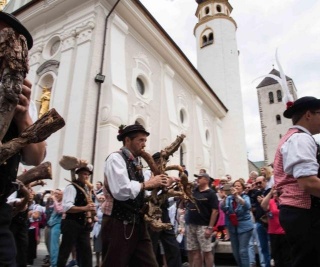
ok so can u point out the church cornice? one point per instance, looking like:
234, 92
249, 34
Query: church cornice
209, 18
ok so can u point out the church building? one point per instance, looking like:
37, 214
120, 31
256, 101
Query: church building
104, 63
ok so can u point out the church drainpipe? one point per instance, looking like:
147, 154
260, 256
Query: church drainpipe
100, 83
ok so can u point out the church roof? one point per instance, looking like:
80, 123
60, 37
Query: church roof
269, 81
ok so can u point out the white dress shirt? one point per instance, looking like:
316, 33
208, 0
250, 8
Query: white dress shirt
299, 154
121, 187
69, 196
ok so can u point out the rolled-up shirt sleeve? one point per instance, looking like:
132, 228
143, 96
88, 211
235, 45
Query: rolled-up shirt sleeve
69, 196
299, 155
120, 186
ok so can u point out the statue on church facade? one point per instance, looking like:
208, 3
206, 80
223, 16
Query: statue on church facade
44, 101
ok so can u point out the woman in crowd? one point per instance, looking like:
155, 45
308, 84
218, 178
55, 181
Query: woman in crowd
238, 221
55, 225
97, 242
279, 245
266, 171
47, 229
221, 223
36, 216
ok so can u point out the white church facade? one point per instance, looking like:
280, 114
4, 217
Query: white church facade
109, 63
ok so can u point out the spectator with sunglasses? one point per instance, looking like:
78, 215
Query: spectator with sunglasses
251, 191
263, 190
200, 222
237, 207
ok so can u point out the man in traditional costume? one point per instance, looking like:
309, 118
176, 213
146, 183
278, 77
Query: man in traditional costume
76, 228
297, 180
125, 239
32, 154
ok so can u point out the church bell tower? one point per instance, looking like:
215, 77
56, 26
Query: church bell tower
218, 63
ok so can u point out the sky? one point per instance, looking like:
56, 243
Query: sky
291, 26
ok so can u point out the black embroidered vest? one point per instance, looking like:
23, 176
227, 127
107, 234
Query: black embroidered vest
79, 201
129, 210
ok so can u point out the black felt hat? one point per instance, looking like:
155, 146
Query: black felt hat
303, 103
125, 130
156, 155
14, 23
88, 168
203, 175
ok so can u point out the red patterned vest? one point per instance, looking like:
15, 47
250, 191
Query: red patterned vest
291, 193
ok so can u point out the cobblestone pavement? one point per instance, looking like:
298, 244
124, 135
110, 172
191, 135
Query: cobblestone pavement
42, 252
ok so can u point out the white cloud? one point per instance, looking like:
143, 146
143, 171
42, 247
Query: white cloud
292, 26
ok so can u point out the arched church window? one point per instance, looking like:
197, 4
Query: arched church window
182, 116
140, 86
204, 41
207, 135
219, 8
54, 48
210, 39
207, 10
271, 99
278, 119
279, 95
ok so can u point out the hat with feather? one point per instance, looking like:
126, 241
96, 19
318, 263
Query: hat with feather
126, 130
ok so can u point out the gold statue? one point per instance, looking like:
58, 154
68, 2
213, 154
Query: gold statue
3, 4
44, 100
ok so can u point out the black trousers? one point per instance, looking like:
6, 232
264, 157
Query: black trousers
302, 227
32, 246
126, 245
20, 233
7, 244
74, 234
280, 250
169, 242
170, 245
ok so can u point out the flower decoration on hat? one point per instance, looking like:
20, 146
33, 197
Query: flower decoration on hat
289, 104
